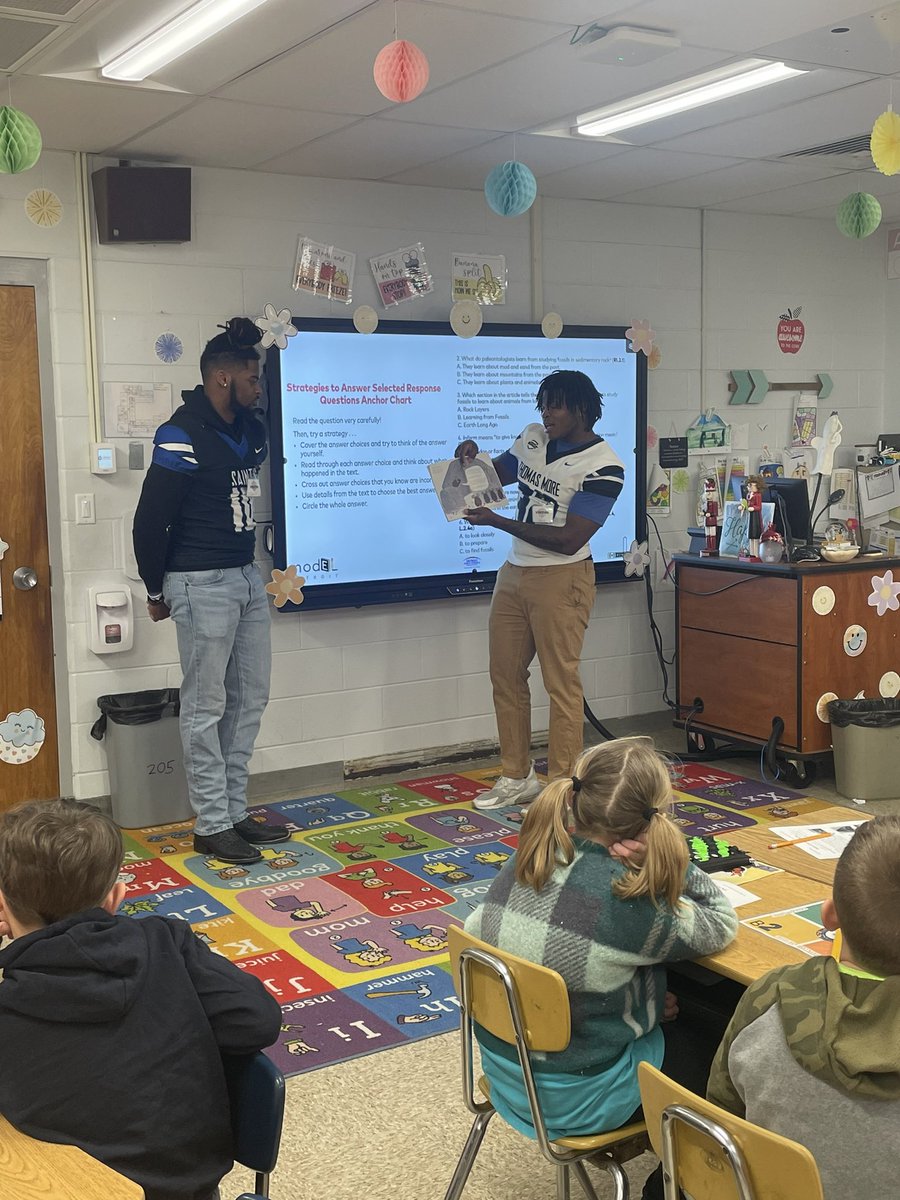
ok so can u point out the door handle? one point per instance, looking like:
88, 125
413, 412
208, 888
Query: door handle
25, 578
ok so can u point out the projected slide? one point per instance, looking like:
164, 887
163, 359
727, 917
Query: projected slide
363, 416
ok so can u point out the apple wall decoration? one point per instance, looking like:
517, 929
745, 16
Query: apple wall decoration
790, 332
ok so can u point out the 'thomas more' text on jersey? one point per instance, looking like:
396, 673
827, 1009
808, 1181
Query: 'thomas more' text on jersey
556, 478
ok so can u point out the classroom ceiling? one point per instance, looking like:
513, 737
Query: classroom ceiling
289, 89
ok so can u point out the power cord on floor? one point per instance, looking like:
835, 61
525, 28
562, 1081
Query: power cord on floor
728, 749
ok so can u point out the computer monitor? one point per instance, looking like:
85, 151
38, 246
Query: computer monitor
792, 517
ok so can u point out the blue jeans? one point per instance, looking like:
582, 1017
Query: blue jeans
222, 620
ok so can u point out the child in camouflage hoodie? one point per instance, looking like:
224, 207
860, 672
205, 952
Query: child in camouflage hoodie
813, 1049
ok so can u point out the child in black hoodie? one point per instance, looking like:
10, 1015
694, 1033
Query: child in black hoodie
112, 1029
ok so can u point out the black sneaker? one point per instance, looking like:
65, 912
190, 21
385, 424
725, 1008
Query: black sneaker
228, 846
261, 835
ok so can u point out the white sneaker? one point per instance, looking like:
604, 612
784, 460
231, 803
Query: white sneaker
508, 791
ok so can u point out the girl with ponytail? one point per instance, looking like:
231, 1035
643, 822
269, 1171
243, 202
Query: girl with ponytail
616, 792
601, 890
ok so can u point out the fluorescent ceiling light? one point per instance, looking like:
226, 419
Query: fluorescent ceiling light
689, 93
176, 37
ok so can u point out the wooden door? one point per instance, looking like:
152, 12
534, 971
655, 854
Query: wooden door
29, 753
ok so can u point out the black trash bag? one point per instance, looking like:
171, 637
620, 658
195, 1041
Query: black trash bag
868, 714
136, 708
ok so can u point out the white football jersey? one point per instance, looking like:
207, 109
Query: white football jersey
549, 478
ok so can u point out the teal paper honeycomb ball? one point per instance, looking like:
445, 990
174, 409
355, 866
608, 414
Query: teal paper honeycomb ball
858, 215
510, 189
20, 141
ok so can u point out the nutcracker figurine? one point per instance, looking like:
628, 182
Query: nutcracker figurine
711, 515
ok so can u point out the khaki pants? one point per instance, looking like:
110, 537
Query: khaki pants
543, 610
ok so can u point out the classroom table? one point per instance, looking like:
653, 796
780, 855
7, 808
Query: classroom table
795, 859
752, 953
34, 1170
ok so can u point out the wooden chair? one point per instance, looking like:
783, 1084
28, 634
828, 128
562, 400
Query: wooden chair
713, 1155
526, 1006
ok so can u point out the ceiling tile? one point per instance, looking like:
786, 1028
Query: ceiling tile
840, 114
250, 41
781, 99
373, 149
628, 172
566, 12
43, 8
267, 33
869, 46
334, 72
91, 116
18, 38
218, 132
823, 193
546, 84
739, 27
715, 187
109, 27
542, 154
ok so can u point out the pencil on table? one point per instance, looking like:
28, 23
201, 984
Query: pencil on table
810, 837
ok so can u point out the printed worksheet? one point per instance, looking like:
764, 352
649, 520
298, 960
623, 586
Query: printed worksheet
827, 847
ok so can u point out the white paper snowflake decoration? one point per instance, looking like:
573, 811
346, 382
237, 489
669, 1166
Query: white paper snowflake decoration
637, 559
276, 327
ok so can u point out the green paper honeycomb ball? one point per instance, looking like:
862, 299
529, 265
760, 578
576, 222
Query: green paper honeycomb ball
20, 141
858, 215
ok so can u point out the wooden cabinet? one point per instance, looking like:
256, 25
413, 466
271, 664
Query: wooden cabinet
759, 641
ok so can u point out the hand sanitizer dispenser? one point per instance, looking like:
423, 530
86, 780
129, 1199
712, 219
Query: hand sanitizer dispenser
110, 619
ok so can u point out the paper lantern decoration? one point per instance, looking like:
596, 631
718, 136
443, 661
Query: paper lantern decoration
20, 141
885, 143
858, 215
401, 71
510, 189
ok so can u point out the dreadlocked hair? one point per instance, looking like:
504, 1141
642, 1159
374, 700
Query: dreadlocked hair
572, 390
234, 348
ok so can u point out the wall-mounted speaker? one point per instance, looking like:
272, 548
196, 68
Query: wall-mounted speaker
142, 204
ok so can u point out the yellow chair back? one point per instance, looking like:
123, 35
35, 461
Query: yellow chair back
777, 1168
543, 998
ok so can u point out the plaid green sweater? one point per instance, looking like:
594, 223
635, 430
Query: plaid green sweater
608, 950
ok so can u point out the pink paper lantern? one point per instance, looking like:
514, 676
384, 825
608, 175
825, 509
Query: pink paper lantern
401, 71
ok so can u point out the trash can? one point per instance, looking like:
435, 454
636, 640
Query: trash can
865, 735
143, 748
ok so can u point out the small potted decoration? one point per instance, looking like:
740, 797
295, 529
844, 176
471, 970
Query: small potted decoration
771, 545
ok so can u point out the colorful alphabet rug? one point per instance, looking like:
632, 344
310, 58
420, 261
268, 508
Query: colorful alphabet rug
346, 924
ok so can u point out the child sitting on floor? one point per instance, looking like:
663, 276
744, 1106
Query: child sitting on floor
112, 1028
606, 906
813, 1049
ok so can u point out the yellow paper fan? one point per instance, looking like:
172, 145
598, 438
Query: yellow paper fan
886, 143
43, 207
